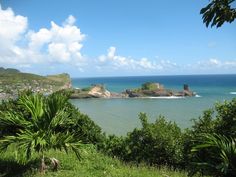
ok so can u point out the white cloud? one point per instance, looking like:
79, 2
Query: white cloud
12, 27
116, 61
59, 52
70, 20
214, 62
63, 43
212, 66
37, 40
59, 46
20, 45
111, 53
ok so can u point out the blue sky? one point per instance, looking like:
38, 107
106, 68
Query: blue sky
113, 38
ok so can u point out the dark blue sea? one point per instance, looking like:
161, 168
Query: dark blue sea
119, 116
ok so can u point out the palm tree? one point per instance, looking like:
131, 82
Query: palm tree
220, 155
41, 126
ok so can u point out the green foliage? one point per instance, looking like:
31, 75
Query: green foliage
226, 118
35, 123
149, 86
220, 122
158, 143
217, 12
221, 156
44, 127
79, 124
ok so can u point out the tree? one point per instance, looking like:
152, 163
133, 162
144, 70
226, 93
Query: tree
43, 125
217, 12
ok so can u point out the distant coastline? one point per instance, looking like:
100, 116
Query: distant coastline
12, 81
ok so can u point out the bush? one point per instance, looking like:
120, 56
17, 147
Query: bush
220, 122
158, 143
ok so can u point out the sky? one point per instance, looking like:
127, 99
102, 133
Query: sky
89, 38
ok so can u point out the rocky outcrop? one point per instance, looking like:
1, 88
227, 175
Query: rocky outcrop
147, 90
157, 90
95, 91
99, 91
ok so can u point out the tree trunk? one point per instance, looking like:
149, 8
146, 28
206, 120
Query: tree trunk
43, 166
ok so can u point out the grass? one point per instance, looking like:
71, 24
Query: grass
92, 164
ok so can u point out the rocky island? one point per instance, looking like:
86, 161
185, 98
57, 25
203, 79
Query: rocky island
149, 89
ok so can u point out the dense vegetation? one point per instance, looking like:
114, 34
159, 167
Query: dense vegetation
208, 148
35, 127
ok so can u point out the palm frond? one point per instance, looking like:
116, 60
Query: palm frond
33, 103
46, 126
221, 152
10, 119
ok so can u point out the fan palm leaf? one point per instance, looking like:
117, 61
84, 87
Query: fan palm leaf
44, 127
221, 152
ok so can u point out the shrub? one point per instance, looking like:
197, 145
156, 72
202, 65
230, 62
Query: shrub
158, 143
220, 122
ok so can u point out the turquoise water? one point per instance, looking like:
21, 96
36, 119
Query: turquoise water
121, 115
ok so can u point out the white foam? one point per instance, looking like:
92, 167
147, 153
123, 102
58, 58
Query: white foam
232, 93
164, 97
198, 96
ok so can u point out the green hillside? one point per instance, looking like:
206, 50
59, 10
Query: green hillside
12, 81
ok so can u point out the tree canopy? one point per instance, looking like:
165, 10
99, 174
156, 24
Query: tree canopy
217, 12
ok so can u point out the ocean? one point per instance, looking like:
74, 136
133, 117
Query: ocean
119, 116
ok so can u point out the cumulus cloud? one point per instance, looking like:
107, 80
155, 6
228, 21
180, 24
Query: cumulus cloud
63, 43
60, 45
22, 46
113, 60
12, 27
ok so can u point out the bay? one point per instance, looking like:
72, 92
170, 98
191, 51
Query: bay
118, 116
